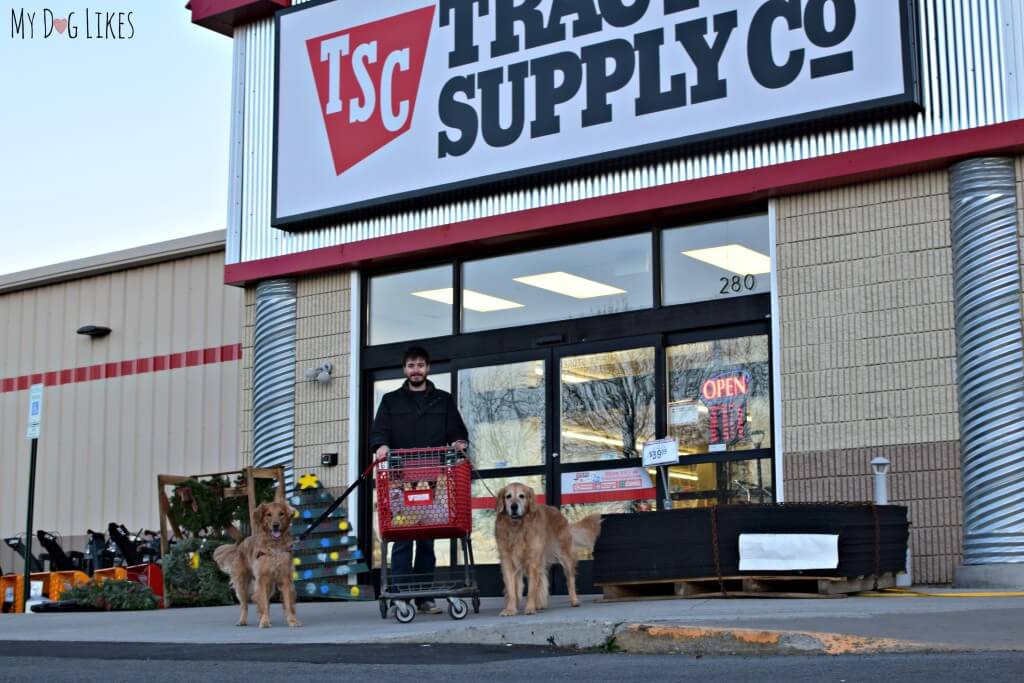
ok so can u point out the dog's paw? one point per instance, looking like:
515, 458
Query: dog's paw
294, 623
507, 613
242, 623
530, 610
264, 623
574, 603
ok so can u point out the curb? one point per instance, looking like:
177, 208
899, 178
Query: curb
689, 640
652, 638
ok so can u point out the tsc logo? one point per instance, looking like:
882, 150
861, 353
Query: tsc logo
367, 78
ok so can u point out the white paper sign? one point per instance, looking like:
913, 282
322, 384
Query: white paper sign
781, 552
661, 452
35, 410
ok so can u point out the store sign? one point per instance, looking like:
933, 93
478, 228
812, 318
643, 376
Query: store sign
605, 481
725, 395
661, 452
380, 101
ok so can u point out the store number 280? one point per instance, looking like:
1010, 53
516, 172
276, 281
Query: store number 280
737, 283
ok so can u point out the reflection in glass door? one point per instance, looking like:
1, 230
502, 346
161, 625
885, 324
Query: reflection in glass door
719, 403
606, 413
504, 407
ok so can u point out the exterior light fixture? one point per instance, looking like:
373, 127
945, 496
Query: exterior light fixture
321, 374
93, 331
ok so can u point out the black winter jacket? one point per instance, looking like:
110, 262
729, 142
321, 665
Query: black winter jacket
401, 423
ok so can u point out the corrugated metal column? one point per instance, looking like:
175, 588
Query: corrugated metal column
990, 364
273, 384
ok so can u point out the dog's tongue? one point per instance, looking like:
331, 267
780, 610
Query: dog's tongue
275, 534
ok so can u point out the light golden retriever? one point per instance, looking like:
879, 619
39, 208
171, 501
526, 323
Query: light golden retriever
532, 537
262, 564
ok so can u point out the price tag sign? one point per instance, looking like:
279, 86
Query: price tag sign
35, 410
661, 452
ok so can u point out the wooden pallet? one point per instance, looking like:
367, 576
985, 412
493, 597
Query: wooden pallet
793, 586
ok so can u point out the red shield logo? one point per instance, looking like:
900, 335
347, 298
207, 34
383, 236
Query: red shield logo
367, 78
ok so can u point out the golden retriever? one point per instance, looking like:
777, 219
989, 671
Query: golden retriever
262, 564
532, 537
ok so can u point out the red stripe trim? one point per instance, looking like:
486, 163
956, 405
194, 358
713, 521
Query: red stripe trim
581, 498
138, 366
901, 158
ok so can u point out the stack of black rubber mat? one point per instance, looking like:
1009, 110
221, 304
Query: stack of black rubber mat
680, 544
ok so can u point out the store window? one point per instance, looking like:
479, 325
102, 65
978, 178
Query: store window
718, 260
718, 395
607, 404
594, 278
416, 304
710, 483
503, 407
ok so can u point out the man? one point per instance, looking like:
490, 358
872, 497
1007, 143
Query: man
417, 415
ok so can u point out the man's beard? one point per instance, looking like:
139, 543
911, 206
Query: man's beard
417, 380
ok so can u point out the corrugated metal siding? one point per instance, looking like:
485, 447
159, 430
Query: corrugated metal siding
962, 70
103, 442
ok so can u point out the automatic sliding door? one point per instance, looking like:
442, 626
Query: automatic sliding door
606, 413
504, 406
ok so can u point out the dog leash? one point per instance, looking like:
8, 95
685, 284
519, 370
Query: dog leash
340, 499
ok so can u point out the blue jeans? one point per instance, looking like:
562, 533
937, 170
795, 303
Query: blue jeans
402, 563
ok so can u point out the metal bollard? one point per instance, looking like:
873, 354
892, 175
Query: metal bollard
880, 468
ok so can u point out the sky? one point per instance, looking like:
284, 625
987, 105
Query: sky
109, 143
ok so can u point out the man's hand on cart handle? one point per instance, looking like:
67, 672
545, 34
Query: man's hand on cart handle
382, 452
460, 445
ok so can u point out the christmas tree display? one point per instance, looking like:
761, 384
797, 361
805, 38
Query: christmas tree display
327, 562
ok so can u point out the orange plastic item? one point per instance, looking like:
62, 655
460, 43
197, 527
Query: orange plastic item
115, 573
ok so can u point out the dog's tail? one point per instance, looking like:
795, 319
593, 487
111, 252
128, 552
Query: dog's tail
585, 532
224, 556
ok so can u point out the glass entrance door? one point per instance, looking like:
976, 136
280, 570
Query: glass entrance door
571, 422
607, 401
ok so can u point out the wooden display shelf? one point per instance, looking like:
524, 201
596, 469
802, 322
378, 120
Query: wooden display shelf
247, 489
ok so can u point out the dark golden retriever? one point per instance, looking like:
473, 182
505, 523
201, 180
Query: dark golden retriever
262, 564
532, 537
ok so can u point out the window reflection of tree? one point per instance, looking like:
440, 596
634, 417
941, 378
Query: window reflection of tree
503, 408
614, 400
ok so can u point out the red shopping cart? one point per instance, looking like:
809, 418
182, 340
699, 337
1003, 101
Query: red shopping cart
424, 494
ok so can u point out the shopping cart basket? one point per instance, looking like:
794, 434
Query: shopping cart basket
424, 494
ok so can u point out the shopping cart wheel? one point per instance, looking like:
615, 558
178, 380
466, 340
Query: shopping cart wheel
383, 608
405, 612
476, 604
457, 608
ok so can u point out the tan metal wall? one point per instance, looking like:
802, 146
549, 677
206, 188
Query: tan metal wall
104, 441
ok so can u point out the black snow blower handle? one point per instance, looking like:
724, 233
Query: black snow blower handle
340, 499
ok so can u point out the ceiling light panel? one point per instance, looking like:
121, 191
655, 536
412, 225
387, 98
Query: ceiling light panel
474, 301
568, 284
734, 258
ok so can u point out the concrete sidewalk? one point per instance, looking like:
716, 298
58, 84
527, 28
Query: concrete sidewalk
710, 626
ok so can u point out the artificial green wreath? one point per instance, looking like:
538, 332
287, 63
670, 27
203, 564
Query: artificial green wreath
112, 594
200, 508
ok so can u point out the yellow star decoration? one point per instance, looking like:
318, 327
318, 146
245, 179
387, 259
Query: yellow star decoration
309, 481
